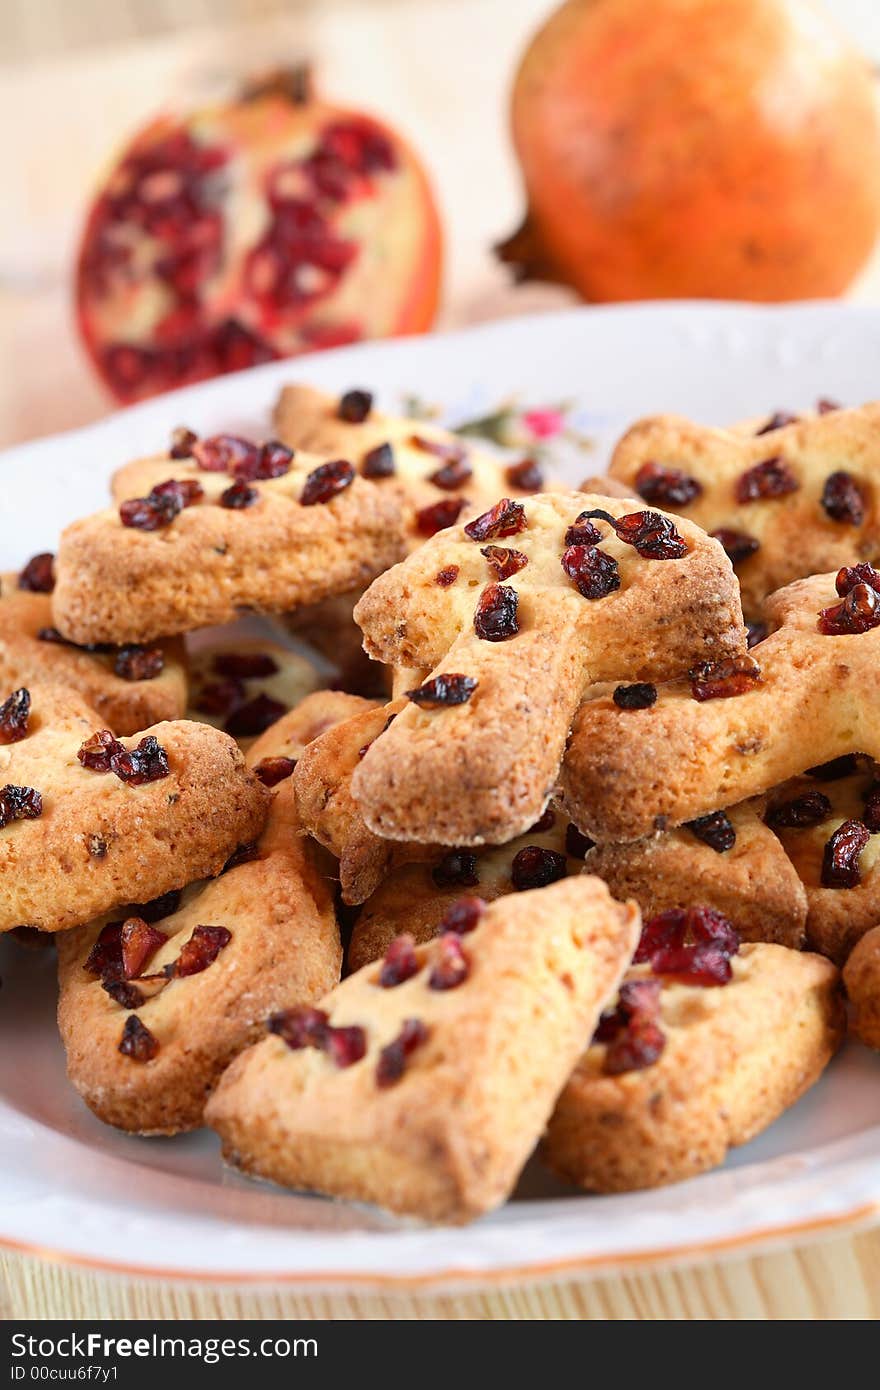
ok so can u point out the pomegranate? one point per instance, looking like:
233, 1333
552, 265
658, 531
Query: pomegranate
239, 233
695, 148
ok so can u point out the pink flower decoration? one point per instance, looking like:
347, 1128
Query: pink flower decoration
543, 423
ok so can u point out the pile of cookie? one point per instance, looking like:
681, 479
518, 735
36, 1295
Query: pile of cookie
570, 853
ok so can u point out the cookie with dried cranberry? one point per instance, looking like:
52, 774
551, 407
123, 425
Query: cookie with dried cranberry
89, 822
330, 629
791, 498
736, 728
861, 978
189, 545
545, 597
679, 1072
310, 719
422, 1083
244, 684
156, 1001
130, 686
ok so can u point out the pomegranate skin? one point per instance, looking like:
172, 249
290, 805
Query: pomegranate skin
695, 149
253, 230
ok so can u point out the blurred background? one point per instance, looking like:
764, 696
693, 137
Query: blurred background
77, 79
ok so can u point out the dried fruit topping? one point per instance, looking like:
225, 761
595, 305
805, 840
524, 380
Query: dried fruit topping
254, 718
446, 576
450, 688
652, 535
576, 843
859, 612
462, 917
721, 680
148, 762
755, 633
225, 453
639, 696
842, 499
871, 813
535, 867
137, 1041
832, 771
840, 858
238, 496
583, 532
182, 443
702, 931
496, 617
244, 854
126, 995
19, 803
271, 460
202, 949
504, 562
436, 518
355, 406
161, 505
105, 957
220, 697
326, 481
506, 518
300, 1027
393, 1057
378, 462
15, 713
459, 866
158, 908
135, 663
452, 475
51, 634
737, 545
666, 487
715, 830
772, 478
851, 575
346, 1045
138, 943
810, 808
777, 421
544, 823
399, 962
632, 1030
38, 576
528, 476
826, 406
271, 771
96, 752
451, 966
595, 573
245, 665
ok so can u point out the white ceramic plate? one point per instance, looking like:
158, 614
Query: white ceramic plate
72, 1188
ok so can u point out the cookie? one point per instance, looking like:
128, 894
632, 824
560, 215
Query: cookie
861, 978
131, 822
788, 502
422, 1084
728, 1060
277, 533
244, 684
144, 1047
516, 614
311, 719
803, 697
130, 687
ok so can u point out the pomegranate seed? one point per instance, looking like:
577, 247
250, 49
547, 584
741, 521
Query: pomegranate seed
858, 613
245, 665
850, 575
451, 966
651, 534
272, 460
528, 476
755, 633
506, 518
15, 713
139, 663
721, 680
436, 518
271, 771
666, 487
355, 406
447, 576
842, 499
595, 573
138, 942
544, 823
714, 830
778, 421
840, 859
772, 478
639, 696
399, 962
535, 867
459, 866
583, 532
202, 949
326, 481
393, 1057
378, 462
810, 808
447, 689
504, 562
738, 545
462, 917
576, 843
255, 717
19, 803
137, 1041
496, 617
224, 453
38, 576
182, 442
832, 771
238, 496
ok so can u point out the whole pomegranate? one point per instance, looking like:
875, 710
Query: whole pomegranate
706, 148
243, 232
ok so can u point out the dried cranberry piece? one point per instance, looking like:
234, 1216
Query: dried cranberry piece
448, 451
840, 859
810, 808
639, 696
871, 813
244, 854
826, 406
378, 462
399, 962
142, 515
158, 908
721, 680
704, 963
452, 475
137, 1042
832, 771
238, 496
850, 575
19, 803
271, 771
255, 717
245, 665
595, 573
842, 498
123, 993
576, 843
528, 476
96, 752
436, 518
633, 1033
777, 421
506, 518
496, 617
272, 460
38, 576
462, 917
220, 697
450, 688
583, 532
355, 406
737, 545
544, 823
326, 481
652, 535
148, 762
451, 966
182, 442
160, 507
535, 867
685, 928
15, 713
138, 943
666, 487
714, 830
346, 1045
105, 957
176, 493
459, 866
393, 1057
772, 478
300, 1027
202, 949
858, 613
755, 633
503, 561
447, 576
224, 453
139, 663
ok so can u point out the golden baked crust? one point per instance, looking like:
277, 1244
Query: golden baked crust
447, 1141
797, 536
101, 842
119, 584
736, 1057
482, 772
233, 686
284, 950
861, 978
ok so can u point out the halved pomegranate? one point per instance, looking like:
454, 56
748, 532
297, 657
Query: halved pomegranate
242, 232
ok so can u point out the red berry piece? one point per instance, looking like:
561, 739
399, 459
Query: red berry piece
722, 680
19, 803
503, 561
355, 406
255, 717
666, 487
737, 545
451, 966
851, 575
544, 823
496, 617
632, 1031
810, 808
38, 576
826, 406
535, 867
202, 949
379, 462
777, 421
139, 663
393, 1057
871, 813
462, 917
238, 496
182, 443
691, 943
300, 1027
506, 518
836, 768
220, 697
595, 573
137, 1042
271, 460
842, 499
703, 963
346, 1045
148, 762
450, 688
459, 866
15, 713
160, 507
449, 451
326, 482
245, 665
528, 476
452, 475
96, 752
157, 908
858, 613
447, 576
399, 962
105, 957
652, 535
840, 859
225, 453
576, 843
271, 771
714, 830
138, 943
772, 478
583, 532
642, 695
436, 518
126, 995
